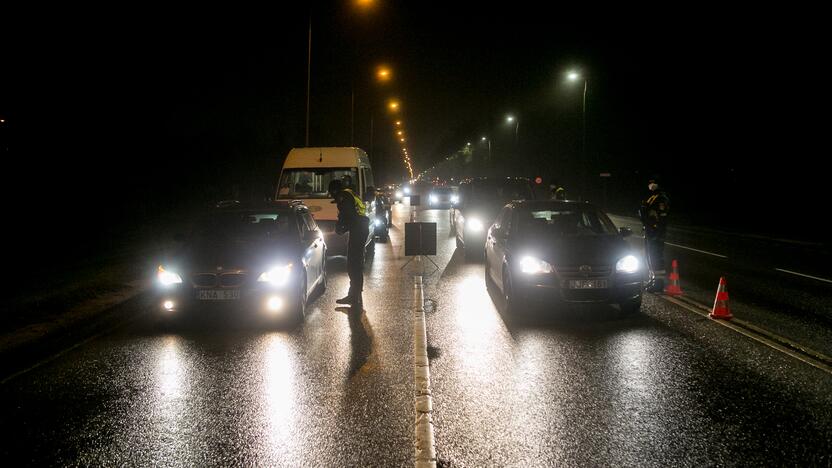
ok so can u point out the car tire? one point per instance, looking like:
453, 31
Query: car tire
489, 283
630, 307
515, 305
299, 312
323, 283
474, 255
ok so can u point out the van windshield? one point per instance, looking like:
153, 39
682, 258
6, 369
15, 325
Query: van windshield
312, 183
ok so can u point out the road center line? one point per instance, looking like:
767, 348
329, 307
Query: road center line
425, 445
697, 250
804, 275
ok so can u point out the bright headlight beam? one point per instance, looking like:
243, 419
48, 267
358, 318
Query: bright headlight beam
474, 224
534, 266
167, 278
628, 264
277, 276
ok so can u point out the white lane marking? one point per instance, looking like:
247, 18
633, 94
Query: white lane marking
819, 364
697, 250
804, 275
425, 445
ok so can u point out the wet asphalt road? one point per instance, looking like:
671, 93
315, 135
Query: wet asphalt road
665, 387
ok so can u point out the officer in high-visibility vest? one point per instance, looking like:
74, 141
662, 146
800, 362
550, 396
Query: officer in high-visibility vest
653, 213
352, 218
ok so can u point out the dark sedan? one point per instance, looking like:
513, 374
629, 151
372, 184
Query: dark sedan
263, 259
564, 252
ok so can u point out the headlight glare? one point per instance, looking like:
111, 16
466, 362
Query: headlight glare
167, 278
277, 276
628, 264
433, 198
474, 224
534, 266
454, 199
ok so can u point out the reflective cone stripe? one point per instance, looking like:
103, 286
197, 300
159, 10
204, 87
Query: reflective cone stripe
721, 310
673, 289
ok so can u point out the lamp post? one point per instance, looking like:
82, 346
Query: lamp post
486, 139
574, 76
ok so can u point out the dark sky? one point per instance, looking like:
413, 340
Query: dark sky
135, 112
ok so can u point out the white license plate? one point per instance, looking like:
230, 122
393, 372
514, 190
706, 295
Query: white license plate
218, 294
588, 284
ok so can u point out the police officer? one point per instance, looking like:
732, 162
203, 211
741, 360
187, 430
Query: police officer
557, 191
352, 218
653, 213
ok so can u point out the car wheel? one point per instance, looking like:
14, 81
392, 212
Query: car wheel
472, 254
515, 305
630, 307
300, 307
322, 284
488, 281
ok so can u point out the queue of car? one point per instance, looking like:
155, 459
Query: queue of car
267, 259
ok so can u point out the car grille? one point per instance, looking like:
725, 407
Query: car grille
205, 280
574, 272
230, 280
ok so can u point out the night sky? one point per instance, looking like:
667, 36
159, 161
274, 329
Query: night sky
120, 117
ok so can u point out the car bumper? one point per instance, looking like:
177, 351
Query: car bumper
257, 301
620, 290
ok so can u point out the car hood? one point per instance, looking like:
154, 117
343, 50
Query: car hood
576, 250
211, 255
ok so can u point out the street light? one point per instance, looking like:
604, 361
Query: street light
486, 139
574, 76
512, 119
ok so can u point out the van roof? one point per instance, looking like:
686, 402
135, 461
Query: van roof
329, 156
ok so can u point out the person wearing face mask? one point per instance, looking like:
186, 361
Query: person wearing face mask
653, 214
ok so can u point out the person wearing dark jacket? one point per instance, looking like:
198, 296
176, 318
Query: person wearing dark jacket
352, 219
653, 213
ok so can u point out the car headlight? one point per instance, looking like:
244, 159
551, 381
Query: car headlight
407, 190
167, 278
378, 222
454, 199
628, 264
433, 198
474, 224
277, 276
534, 266
398, 193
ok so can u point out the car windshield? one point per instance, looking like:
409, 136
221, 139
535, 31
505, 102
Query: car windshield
443, 190
243, 225
572, 221
312, 183
500, 190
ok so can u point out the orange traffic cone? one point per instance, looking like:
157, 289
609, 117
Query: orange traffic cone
673, 289
721, 310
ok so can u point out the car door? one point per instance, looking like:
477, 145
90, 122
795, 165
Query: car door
496, 243
313, 248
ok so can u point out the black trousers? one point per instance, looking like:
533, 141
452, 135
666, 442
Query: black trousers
655, 252
355, 256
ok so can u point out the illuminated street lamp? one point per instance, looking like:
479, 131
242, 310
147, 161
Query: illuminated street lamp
574, 77
512, 119
486, 139
393, 105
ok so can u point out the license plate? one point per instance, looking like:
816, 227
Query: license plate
588, 284
218, 294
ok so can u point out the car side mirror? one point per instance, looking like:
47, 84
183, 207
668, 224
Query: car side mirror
625, 232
